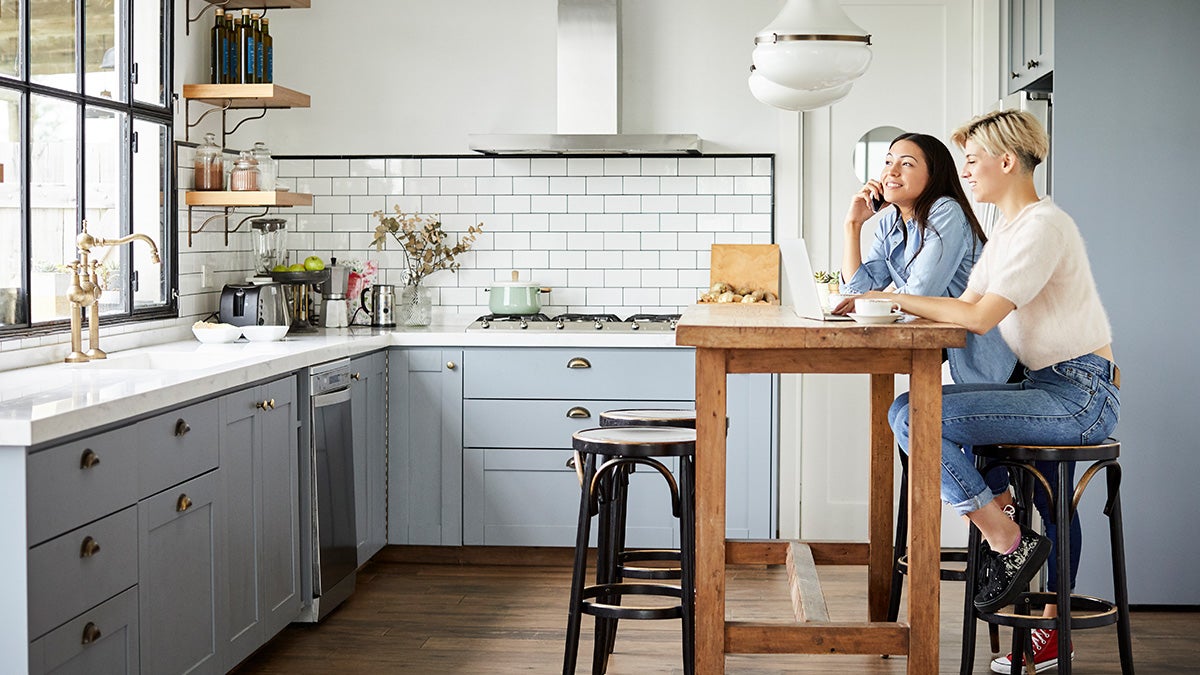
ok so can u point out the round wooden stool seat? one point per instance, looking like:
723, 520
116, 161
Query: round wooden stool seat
645, 441
649, 417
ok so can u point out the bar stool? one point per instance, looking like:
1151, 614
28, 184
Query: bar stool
606, 453
1074, 611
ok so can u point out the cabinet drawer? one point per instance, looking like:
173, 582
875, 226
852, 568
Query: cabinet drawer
103, 639
652, 374
77, 482
176, 446
532, 423
81, 568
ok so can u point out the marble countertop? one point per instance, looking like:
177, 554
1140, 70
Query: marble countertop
54, 401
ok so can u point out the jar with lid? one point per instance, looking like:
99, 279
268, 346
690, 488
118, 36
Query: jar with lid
244, 175
266, 166
209, 166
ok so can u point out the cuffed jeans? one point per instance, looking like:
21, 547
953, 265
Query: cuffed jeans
1072, 402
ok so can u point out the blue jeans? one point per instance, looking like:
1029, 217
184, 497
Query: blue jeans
1072, 402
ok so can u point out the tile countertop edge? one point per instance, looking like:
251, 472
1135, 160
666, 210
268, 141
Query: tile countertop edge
57, 401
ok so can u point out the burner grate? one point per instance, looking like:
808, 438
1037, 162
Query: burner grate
497, 318
594, 318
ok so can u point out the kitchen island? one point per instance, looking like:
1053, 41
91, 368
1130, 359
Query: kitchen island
772, 339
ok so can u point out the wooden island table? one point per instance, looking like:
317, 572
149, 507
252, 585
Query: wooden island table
773, 339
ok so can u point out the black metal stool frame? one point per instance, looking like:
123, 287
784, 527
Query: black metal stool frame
1100, 612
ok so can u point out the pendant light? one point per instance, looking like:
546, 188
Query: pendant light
808, 56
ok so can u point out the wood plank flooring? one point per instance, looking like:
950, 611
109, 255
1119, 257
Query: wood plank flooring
502, 618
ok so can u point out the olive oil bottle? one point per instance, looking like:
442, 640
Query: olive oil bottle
232, 51
259, 64
248, 48
218, 69
267, 54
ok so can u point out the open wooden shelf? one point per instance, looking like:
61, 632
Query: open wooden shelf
247, 198
246, 95
261, 4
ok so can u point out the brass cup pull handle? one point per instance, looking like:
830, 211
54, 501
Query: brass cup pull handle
181, 427
579, 362
268, 404
356, 376
88, 459
89, 548
91, 633
183, 503
450, 365
579, 413
576, 462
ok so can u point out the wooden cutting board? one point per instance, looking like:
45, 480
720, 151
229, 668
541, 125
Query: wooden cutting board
753, 265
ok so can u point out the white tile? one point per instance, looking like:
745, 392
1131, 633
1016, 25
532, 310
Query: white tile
622, 277
603, 222
532, 260
581, 278
657, 278
735, 237
696, 241
604, 185
640, 296
761, 238
660, 204
349, 186
641, 185
531, 185
476, 204
733, 166
551, 277
374, 166
677, 185
643, 260
569, 297
585, 241
497, 222
512, 166
568, 260
385, 186
422, 186
458, 296
622, 166
603, 259
408, 166
439, 166
604, 296
512, 241
752, 222
678, 259
458, 222
494, 186
331, 167
697, 204
548, 203
315, 186
714, 185
585, 166
639, 222
476, 167
330, 241
512, 204
331, 204
659, 241
360, 242
367, 204
622, 204
548, 241
355, 222
439, 204
294, 168
622, 241
678, 296
762, 166
458, 186
568, 222
585, 203
406, 203
660, 166
531, 222
700, 278
734, 203
314, 222
568, 185
752, 185
763, 203
714, 222
500, 260
697, 166
548, 166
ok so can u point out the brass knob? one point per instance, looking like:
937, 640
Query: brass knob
91, 633
89, 548
1014, 75
181, 427
271, 404
356, 376
261, 405
579, 362
183, 504
451, 365
89, 459
579, 413
1032, 64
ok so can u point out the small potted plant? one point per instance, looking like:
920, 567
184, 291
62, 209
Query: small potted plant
827, 284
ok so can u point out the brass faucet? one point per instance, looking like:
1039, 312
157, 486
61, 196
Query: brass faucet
85, 291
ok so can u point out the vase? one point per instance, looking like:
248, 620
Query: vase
416, 306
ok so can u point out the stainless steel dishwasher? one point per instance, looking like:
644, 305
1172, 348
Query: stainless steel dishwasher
333, 551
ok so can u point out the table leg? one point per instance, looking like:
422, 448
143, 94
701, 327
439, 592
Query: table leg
881, 557
924, 509
710, 510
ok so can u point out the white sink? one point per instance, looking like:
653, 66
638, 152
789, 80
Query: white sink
165, 361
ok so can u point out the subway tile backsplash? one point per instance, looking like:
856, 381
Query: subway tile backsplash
607, 234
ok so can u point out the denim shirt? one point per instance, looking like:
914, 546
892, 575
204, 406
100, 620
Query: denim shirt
941, 269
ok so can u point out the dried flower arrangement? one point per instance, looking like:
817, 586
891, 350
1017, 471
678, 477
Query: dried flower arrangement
423, 241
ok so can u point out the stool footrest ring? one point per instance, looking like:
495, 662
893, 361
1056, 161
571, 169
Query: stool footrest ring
630, 563
607, 611
952, 555
1086, 612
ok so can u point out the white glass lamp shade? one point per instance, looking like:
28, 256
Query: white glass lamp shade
795, 99
813, 47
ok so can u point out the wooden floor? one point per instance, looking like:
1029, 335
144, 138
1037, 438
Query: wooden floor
451, 618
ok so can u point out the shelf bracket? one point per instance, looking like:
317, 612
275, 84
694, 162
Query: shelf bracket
225, 212
241, 222
187, 29
259, 116
188, 124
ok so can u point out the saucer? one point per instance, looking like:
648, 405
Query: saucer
875, 319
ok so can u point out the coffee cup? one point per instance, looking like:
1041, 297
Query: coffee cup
875, 306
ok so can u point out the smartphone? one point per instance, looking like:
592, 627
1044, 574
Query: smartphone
876, 204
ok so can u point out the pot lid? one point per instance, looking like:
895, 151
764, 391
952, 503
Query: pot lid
515, 282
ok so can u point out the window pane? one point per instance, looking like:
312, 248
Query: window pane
12, 253
102, 50
147, 51
54, 157
103, 204
10, 37
52, 44
149, 210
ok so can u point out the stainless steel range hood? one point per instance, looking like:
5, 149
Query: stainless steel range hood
588, 94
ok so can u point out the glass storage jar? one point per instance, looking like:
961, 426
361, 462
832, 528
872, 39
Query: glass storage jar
266, 166
209, 165
244, 175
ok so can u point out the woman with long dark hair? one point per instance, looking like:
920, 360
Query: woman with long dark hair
925, 243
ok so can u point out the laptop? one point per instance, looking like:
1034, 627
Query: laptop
798, 279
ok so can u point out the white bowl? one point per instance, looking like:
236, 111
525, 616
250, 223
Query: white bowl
264, 333
217, 334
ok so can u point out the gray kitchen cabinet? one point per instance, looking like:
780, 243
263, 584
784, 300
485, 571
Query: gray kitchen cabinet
425, 488
178, 531
368, 404
103, 639
1028, 50
259, 556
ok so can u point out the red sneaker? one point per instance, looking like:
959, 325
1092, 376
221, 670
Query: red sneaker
1045, 652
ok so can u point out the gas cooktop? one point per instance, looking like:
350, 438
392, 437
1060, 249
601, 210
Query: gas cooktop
576, 323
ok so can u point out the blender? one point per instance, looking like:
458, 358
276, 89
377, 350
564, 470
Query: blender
334, 312
270, 247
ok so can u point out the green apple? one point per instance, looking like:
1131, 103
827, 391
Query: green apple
298, 267
314, 263
279, 268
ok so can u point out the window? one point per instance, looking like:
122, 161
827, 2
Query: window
85, 135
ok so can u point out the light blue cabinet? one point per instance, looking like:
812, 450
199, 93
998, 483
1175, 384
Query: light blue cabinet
103, 639
1028, 55
425, 488
368, 405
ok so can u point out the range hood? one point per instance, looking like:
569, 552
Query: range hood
588, 95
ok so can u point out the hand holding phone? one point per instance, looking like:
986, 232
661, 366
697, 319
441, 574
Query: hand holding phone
876, 203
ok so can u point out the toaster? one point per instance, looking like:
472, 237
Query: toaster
254, 305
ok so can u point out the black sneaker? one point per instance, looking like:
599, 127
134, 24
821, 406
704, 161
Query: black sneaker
1010, 573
